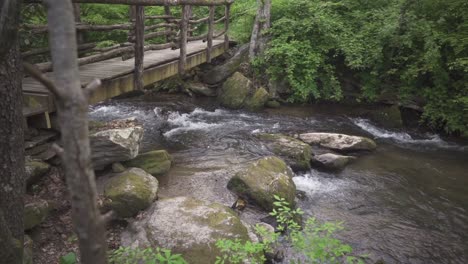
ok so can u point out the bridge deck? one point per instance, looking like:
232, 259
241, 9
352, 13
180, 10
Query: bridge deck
116, 75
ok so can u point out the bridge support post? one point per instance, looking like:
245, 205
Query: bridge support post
183, 37
210, 34
226, 26
139, 47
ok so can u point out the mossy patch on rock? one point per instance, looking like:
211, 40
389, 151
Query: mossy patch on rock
388, 116
35, 212
273, 104
157, 162
130, 192
187, 226
296, 153
263, 179
235, 91
258, 100
35, 170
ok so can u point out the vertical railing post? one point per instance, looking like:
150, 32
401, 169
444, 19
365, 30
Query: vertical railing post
139, 45
210, 34
226, 26
183, 38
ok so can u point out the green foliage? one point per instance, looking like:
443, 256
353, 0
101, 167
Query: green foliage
69, 258
315, 243
417, 49
125, 255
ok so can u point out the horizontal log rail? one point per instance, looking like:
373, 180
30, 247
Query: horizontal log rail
150, 2
177, 32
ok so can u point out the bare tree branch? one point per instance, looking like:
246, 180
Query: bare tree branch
37, 74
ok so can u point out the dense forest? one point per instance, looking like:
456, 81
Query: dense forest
413, 53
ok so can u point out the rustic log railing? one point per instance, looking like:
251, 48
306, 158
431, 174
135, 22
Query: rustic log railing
152, 32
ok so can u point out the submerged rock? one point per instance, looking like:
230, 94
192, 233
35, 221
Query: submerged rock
263, 179
35, 212
156, 162
222, 72
234, 91
115, 144
35, 170
130, 192
200, 89
258, 100
339, 141
296, 153
330, 161
186, 226
273, 104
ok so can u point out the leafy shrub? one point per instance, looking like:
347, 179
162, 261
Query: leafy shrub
125, 255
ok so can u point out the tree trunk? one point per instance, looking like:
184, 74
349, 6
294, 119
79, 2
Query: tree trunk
11, 137
72, 106
258, 40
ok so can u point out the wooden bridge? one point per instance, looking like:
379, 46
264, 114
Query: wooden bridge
187, 42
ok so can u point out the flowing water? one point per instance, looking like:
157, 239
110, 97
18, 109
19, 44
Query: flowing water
407, 202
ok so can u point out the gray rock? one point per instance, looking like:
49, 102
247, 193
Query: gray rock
330, 161
235, 91
296, 153
262, 180
186, 226
35, 170
115, 145
130, 192
35, 213
258, 100
222, 72
339, 142
200, 89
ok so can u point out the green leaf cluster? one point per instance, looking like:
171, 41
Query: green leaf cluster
416, 50
126, 255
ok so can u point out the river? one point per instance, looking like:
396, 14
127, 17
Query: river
407, 202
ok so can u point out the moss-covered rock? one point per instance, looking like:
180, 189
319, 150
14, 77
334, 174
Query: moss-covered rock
27, 250
118, 167
157, 162
258, 100
296, 153
222, 72
235, 91
35, 213
186, 226
130, 192
35, 170
263, 179
273, 104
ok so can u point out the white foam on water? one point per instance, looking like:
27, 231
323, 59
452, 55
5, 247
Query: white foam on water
314, 183
402, 137
185, 122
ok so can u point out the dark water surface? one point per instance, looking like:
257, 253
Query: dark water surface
407, 202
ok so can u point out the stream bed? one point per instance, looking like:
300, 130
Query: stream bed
407, 202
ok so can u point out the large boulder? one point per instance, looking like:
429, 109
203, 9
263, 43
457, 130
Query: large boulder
262, 180
222, 72
258, 100
35, 170
129, 192
330, 161
35, 212
156, 162
114, 142
339, 142
235, 90
186, 226
296, 153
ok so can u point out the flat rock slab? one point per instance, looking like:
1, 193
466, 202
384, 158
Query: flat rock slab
340, 142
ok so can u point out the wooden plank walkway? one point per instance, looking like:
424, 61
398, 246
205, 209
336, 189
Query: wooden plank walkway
116, 75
